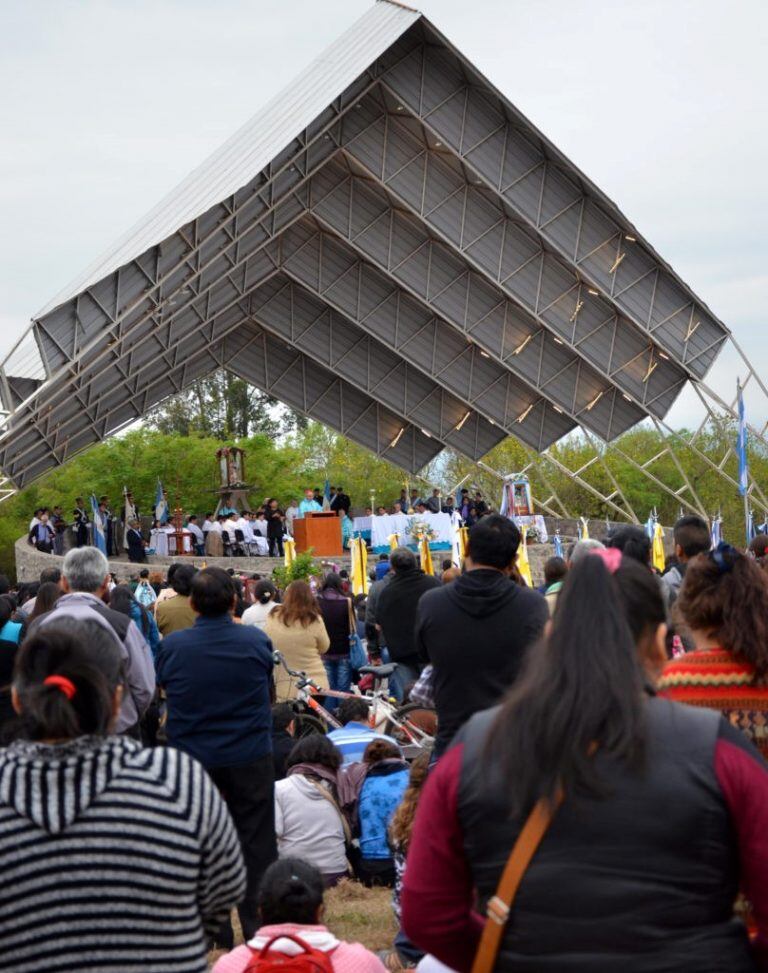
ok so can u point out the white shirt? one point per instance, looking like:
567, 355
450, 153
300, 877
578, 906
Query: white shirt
247, 528
216, 527
207, 525
257, 614
33, 523
196, 532
260, 527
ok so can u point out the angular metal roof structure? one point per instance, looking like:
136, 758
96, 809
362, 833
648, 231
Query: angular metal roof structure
388, 246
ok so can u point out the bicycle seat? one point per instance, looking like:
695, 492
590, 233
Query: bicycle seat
379, 672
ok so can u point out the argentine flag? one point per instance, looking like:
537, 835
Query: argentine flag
741, 444
99, 537
161, 505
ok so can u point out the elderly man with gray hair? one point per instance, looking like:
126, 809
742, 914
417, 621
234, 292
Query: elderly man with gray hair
85, 580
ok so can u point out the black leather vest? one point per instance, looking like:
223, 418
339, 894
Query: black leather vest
641, 881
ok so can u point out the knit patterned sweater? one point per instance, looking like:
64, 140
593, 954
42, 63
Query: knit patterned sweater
717, 679
113, 858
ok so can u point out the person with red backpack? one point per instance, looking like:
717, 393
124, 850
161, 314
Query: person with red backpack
292, 938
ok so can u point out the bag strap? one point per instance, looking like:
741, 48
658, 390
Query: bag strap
332, 800
498, 908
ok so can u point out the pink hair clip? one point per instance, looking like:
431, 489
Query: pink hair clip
610, 556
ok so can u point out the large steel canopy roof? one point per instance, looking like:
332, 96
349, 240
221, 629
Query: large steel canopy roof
388, 246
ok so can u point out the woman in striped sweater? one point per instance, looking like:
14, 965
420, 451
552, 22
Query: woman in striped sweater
113, 857
724, 603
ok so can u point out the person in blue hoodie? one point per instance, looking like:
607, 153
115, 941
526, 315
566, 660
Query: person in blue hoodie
385, 783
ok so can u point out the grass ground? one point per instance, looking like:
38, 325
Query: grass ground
353, 913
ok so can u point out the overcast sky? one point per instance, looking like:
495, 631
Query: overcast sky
106, 105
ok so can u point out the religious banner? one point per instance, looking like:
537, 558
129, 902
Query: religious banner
383, 527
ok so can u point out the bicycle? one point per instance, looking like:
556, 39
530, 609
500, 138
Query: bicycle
412, 726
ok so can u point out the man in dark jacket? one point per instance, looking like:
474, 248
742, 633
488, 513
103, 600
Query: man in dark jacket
340, 501
396, 616
475, 631
217, 678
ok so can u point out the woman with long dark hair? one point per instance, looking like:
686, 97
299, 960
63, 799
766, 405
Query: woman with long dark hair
122, 599
724, 604
339, 617
298, 632
119, 857
664, 807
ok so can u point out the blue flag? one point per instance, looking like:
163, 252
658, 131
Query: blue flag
741, 444
716, 532
99, 537
161, 504
558, 545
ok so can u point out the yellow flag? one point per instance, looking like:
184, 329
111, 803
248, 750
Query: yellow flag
523, 564
659, 560
394, 542
289, 551
583, 529
463, 541
426, 557
359, 576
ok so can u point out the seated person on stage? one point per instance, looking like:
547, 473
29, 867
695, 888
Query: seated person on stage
309, 505
259, 528
198, 538
214, 545
136, 543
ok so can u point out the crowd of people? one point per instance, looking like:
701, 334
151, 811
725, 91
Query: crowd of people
574, 812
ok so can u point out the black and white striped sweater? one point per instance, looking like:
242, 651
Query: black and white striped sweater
112, 858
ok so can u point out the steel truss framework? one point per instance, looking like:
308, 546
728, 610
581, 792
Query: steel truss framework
391, 248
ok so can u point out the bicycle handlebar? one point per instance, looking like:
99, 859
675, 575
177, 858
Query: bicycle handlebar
302, 677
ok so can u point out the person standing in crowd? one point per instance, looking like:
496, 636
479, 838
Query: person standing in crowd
265, 600
197, 534
130, 858
291, 907
11, 633
382, 566
475, 631
309, 821
724, 604
47, 595
176, 613
275, 528
396, 616
144, 593
433, 503
374, 636
297, 631
555, 570
632, 542
355, 734
448, 507
291, 513
283, 736
80, 518
122, 599
49, 574
583, 727
85, 582
382, 791
691, 536
217, 678
339, 618
59, 527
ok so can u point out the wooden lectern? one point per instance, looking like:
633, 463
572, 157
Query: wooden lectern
320, 531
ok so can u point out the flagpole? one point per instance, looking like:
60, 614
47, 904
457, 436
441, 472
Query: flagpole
743, 461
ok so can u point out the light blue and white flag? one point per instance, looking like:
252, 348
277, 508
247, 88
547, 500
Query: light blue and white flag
161, 504
650, 525
741, 444
716, 531
751, 532
99, 536
327, 495
558, 544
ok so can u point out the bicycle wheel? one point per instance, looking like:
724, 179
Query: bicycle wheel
308, 725
413, 723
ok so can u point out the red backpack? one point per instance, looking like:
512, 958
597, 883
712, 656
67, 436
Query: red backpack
310, 961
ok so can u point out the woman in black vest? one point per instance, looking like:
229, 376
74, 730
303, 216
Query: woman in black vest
338, 616
664, 815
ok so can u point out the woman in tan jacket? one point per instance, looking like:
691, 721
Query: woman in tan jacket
298, 632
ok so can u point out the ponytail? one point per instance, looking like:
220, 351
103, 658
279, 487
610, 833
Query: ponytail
66, 674
291, 891
725, 594
582, 687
